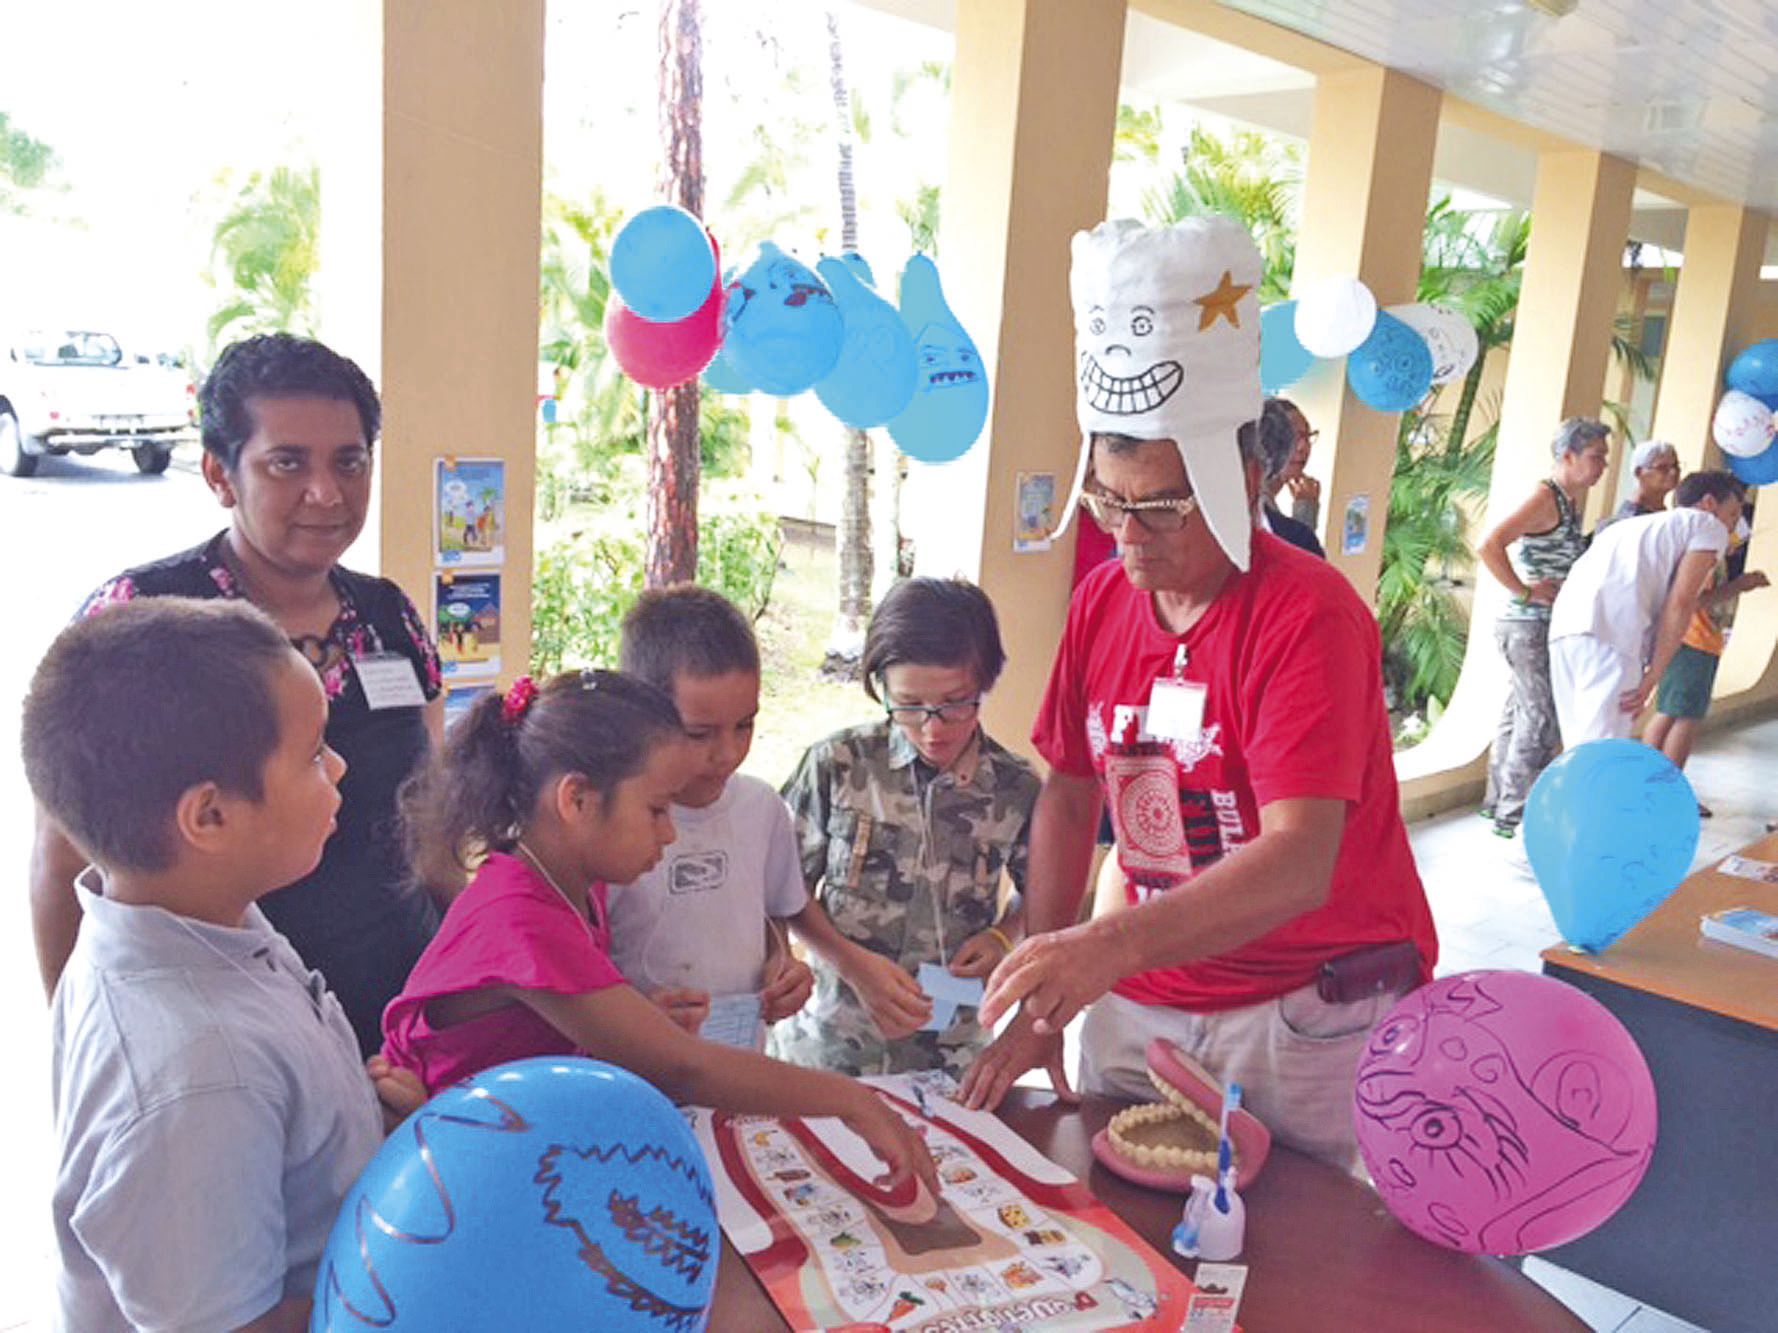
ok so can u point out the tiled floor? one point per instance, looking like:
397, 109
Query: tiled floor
1491, 914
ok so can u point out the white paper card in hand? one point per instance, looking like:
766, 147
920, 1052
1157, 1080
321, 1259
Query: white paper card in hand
733, 1021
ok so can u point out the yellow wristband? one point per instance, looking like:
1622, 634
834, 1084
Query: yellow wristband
999, 934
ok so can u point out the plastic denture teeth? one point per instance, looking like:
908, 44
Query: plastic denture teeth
1156, 1135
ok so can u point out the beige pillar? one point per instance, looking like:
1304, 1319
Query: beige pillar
463, 180
1028, 168
1713, 309
1580, 216
1364, 208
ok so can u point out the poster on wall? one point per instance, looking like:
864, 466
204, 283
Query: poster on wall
469, 512
459, 699
1355, 531
466, 609
1017, 1242
1034, 513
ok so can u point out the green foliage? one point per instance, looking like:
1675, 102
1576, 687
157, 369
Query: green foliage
600, 410
1137, 137
25, 164
921, 215
1248, 176
263, 255
1426, 547
587, 580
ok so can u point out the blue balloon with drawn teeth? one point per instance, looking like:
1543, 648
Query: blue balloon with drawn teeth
950, 403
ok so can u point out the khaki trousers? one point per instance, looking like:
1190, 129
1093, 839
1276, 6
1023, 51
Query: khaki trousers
1295, 1057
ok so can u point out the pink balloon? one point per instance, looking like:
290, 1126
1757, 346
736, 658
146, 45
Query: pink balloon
1503, 1112
659, 356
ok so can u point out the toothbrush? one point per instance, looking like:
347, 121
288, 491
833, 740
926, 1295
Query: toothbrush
1225, 1153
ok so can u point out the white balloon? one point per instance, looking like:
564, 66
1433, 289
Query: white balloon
1743, 425
1449, 337
1334, 316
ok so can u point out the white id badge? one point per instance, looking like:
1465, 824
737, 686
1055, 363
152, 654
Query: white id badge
389, 680
1176, 710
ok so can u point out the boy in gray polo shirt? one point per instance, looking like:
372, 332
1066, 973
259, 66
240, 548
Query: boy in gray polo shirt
210, 1108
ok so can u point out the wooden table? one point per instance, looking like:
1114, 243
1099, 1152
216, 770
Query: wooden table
1322, 1251
1699, 1238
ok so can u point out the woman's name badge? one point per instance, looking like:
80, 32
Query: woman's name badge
389, 680
1176, 710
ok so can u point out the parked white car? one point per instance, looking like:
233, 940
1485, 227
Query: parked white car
76, 391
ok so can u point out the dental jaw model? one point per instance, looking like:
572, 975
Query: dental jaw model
1162, 1145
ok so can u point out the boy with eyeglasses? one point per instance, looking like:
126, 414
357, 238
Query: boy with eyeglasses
908, 827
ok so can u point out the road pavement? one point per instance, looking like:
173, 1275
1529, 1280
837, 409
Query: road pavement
72, 526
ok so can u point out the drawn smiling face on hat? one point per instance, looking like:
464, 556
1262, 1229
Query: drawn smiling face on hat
1166, 326
1122, 370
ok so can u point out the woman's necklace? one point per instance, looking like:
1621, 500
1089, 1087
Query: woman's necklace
320, 651
549, 879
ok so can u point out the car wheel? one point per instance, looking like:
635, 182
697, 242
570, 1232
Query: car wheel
14, 461
151, 459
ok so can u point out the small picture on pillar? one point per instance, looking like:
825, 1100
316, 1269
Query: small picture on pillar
1034, 513
466, 610
1355, 531
469, 512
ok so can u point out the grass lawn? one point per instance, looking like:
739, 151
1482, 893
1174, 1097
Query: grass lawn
798, 707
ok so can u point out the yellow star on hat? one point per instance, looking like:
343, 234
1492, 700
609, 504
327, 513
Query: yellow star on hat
1220, 302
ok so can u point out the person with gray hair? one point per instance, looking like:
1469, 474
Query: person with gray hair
1655, 466
1547, 530
1275, 441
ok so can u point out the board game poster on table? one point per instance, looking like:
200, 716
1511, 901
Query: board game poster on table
1018, 1243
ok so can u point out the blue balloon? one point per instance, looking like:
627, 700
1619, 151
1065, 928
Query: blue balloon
1283, 360
875, 377
662, 264
1755, 370
1760, 470
950, 404
1610, 828
722, 376
1391, 370
781, 330
546, 1193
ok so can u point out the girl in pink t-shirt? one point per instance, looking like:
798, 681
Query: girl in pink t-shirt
547, 794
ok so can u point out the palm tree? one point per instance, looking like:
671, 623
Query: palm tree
673, 445
1247, 176
853, 536
264, 253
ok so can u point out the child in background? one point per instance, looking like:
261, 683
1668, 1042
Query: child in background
702, 923
905, 827
211, 1111
558, 791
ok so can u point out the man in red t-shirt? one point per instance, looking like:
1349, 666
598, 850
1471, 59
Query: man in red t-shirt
1225, 692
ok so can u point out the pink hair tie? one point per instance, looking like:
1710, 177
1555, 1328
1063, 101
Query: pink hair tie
518, 701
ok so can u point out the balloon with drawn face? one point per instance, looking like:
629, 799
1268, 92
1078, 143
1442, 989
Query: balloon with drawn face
1392, 369
782, 330
950, 402
1503, 1112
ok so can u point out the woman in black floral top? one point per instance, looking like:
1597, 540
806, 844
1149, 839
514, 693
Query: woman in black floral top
288, 427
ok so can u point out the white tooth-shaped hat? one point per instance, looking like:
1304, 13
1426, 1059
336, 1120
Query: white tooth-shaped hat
1166, 333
